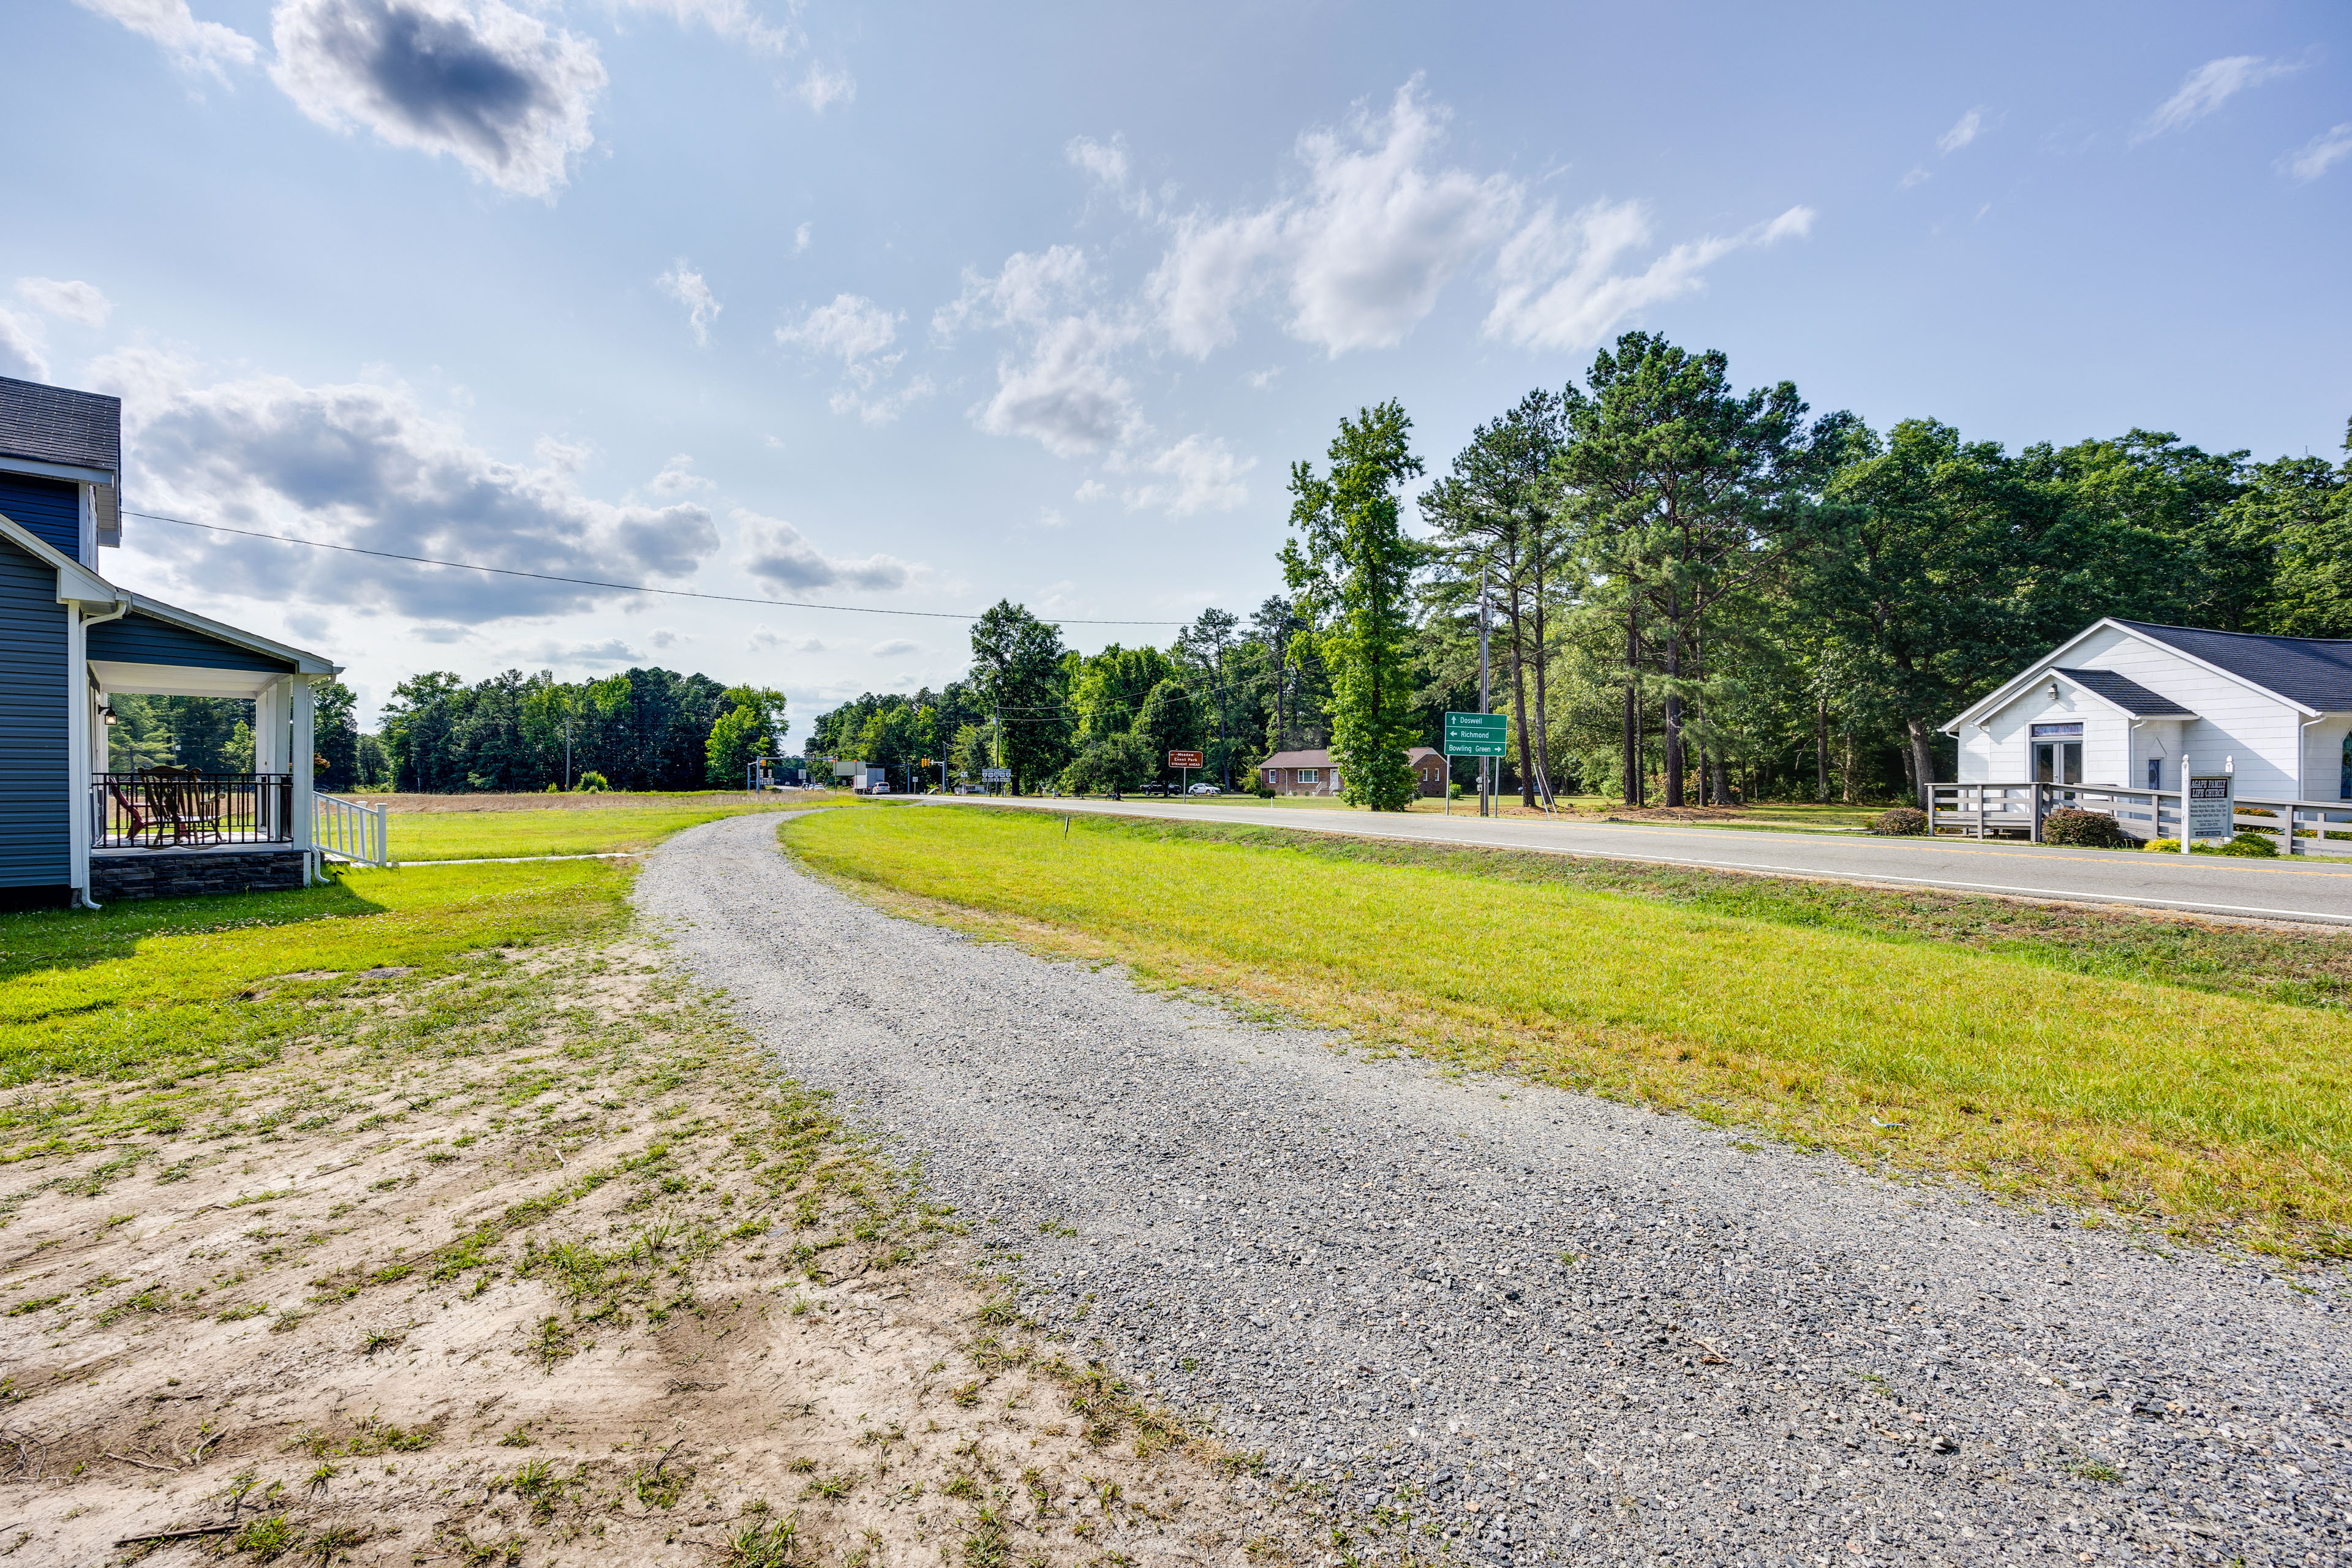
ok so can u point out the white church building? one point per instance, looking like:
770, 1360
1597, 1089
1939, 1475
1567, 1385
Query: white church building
2120, 704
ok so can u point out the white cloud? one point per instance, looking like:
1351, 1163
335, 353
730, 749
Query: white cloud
1050, 517
563, 456
1105, 161
2321, 153
800, 238
76, 301
1196, 474
856, 331
364, 464
896, 648
781, 558
610, 654
678, 477
853, 327
488, 85
22, 353
685, 285
2208, 87
820, 88
663, 636
1361, 255
767, 641
731, 19
194, 45
1557, 285
1915, 177
1963, 131
1092, 491
1062, 390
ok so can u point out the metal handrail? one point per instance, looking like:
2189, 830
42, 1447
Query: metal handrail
164, 808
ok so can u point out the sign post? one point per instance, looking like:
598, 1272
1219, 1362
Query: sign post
2210, 810
1478, 735
996, 775
1184, 763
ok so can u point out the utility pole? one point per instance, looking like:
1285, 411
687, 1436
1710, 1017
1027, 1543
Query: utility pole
567, 746
1484, 697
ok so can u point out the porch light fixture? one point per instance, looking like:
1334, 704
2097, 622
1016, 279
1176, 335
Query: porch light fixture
106, 714
2054, 691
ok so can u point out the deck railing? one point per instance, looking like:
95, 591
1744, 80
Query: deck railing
1984, 810
167, 808
350, 829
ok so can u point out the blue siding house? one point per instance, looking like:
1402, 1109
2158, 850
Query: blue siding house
72, 831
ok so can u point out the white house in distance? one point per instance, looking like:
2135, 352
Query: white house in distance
2121, 702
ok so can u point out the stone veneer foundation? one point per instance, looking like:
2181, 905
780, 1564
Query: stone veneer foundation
170, 873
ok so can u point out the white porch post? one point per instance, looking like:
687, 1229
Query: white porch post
302, 745
269, 718
78, 750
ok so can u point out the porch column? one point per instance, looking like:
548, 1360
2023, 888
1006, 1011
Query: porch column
269, 718
303, 746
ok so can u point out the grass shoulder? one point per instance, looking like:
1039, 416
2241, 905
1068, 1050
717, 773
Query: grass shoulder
2087, 1059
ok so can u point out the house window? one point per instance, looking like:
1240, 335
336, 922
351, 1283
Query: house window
2343, 783
1309, 776
2155, 772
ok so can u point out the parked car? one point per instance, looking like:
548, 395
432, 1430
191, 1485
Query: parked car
1204, 789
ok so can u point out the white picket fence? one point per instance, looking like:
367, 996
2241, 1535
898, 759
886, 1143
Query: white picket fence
1987, 810
350, 829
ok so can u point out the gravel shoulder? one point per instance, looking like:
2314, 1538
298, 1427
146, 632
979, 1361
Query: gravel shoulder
1547, 1327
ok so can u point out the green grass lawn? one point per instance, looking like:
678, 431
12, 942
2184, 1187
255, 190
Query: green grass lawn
173, 985
460, 835
2218, 1112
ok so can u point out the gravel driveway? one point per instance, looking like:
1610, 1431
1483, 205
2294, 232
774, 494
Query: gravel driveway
1584, 1332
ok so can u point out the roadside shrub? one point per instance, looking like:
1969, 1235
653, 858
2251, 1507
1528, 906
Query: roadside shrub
2085, 831
2249, 845
1903, 821
591, 783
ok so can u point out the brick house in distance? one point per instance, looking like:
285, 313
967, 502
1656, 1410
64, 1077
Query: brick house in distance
1312, 773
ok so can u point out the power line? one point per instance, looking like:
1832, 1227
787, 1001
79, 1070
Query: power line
617, 588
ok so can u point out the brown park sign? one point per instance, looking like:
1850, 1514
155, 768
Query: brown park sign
1187, 760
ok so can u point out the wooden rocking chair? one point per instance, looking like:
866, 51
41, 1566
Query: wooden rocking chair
181, 805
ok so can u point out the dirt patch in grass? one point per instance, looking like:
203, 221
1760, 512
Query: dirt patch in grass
536, 1263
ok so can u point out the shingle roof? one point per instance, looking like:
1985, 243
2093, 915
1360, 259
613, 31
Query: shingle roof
56, 425
2313, 672
2127, 693
1315, 759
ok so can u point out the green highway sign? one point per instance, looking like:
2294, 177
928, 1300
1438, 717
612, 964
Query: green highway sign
1478, 734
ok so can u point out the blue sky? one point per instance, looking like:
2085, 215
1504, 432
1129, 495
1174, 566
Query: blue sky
917, 308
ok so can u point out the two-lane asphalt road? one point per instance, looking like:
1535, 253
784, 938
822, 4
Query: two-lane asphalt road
2314, 888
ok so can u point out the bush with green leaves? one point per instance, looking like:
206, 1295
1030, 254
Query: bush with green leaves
2085, 831
1903, 821
591, 783
2249, 844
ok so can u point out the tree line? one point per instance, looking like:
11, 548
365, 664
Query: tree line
1694, 594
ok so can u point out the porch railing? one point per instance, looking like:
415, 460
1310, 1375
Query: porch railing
350, 830
1984, 810
166, 809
